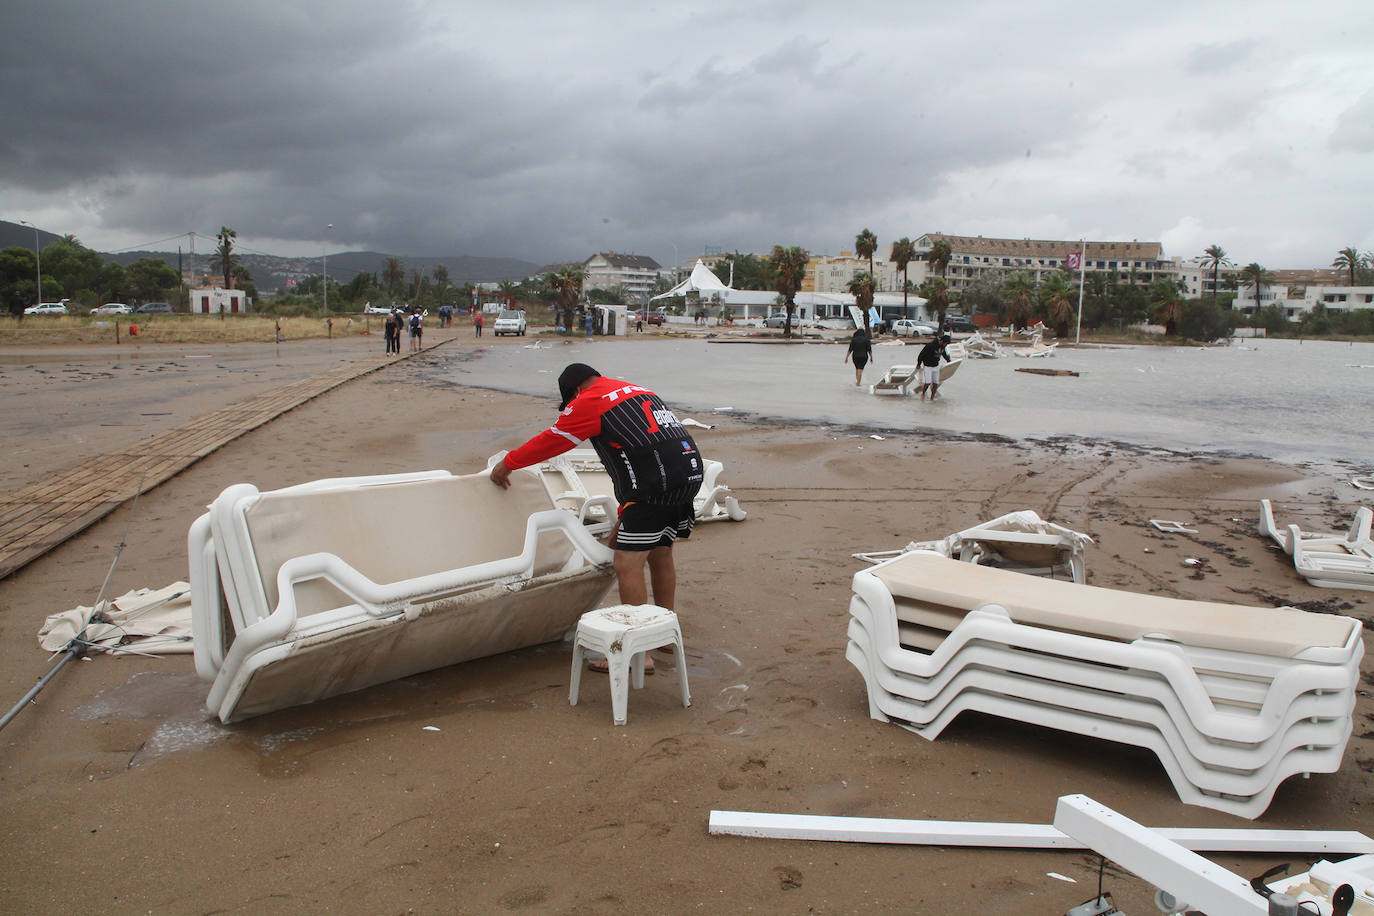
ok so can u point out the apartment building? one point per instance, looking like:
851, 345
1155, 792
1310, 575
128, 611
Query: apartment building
832, 274
609, 270
972, 256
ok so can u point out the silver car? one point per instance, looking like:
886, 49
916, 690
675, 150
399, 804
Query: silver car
47, 308
111, 308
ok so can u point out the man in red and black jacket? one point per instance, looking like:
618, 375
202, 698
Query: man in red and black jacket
654, 466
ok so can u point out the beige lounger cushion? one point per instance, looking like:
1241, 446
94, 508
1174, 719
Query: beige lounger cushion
394, 532
939, 591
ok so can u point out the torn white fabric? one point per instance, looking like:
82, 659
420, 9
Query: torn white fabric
143, 621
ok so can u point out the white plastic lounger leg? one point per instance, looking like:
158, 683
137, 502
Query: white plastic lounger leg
1165, 864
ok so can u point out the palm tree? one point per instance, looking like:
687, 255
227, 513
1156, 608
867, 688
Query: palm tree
1019, 294
1253, 273
865, 243
903, 253
225, 253
1214, 257
936, 293
789, 269
394, 274
1056, 292
938, 256
1350, 259
862, 289
567, 286
1168, 301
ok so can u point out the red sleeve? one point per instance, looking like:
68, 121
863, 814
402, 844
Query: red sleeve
580, 421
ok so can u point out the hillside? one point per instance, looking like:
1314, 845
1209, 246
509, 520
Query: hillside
271, 272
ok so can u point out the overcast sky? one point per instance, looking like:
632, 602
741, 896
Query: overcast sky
551, 130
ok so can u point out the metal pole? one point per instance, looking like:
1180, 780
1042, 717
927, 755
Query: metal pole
1082, 268
324, 263
37, 256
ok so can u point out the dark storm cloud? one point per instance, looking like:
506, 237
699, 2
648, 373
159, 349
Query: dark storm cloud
549, 130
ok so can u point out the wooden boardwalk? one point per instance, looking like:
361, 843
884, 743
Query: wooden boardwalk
41, 516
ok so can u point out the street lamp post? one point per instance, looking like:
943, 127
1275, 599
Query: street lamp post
37, 256
324, 266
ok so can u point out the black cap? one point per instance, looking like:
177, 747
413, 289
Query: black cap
575, 374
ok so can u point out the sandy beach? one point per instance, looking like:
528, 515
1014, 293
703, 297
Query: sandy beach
121, 795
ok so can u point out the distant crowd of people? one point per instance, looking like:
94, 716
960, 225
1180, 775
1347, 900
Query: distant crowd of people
411, 320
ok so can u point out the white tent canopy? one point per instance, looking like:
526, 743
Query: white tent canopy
701, 281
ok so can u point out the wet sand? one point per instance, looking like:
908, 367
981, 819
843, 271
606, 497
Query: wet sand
121, 793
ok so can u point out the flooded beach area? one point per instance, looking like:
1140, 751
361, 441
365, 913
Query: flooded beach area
1282, 399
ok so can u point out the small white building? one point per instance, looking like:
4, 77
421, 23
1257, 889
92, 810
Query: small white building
218, 301
1339, 298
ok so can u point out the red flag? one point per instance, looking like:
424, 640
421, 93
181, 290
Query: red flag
1075, 260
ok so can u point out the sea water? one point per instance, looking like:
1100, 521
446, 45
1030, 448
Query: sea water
1282, 399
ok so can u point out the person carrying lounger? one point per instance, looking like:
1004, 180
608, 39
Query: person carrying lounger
654, 466
929, 362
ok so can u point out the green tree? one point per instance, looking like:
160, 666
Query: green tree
789, 270
1214, 258
1351, 260
1257, 275
114, 283
1056, 292
750, 271
1168, 304
150, 279
72, 267
865, 244
903, 253
983, 295
243, 279
1018, 292
861, 287
225, 255
18, 279
1205, 320
936, 293
567, 286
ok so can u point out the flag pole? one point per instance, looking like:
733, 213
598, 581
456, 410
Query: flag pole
1082, 266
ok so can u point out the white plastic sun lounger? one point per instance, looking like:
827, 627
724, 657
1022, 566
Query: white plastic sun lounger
578, 482
336, 585
1019, 541
1357, 540
1233, 700
896, 380
1338, 565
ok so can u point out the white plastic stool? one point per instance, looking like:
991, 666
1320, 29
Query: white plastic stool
624, 632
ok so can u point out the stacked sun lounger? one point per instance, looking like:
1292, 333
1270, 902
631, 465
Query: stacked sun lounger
1327, 560
896, 380
335, 585
1232, 700
577, 481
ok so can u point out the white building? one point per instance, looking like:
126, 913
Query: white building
609, 270
216, 301
827, 274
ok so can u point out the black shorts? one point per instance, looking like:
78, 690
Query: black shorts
644, 526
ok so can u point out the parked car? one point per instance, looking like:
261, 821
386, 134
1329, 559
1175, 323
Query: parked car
111, 308
780, 321
47, 308
377, 310
908, 327
961, 323
653, 318
509, 321
154, 308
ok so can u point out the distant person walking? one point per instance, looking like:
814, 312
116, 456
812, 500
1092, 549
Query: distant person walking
929, 362
861, 348
390, 330
477, 322
417, 330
